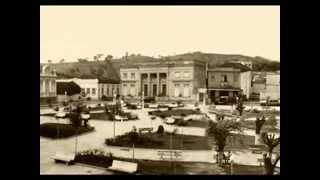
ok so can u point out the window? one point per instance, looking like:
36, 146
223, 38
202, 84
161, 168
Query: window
133, 75
102, 91
88, 90
132, 89
186, 74
224, 78
93, 91
125, 75
212, 77
107, 91
177, 74
186, 90
118, 91
177, 90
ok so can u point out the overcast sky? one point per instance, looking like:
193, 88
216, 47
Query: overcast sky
72, 32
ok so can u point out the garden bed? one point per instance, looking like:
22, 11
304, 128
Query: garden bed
149, 167
174, 112
157, 141
50, 130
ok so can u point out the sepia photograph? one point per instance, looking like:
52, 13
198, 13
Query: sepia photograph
159, 90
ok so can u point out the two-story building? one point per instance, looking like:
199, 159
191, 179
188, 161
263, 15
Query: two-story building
228, 81
47, 84
174, 79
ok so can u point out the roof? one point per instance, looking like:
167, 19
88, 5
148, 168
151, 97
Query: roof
70, 87
109, 81
242, 67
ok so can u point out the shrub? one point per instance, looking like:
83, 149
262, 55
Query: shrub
56, 108
160, 129
64, 103
70, 101
169, 108
105, 98
88, 98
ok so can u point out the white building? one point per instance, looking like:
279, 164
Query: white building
272, 86
88, 86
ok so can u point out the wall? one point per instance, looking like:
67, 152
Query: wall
107, 89
62, 98
181, 80
272, 87
245, 83
232, 77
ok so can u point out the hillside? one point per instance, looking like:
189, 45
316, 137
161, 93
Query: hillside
109, 70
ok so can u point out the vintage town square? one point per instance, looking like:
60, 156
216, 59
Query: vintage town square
160, 90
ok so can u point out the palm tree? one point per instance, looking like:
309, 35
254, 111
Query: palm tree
271, 141
221, 130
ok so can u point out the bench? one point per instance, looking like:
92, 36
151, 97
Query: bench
168, 155
123, 166
67, 158
149, 130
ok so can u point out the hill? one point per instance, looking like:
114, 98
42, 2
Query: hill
110, 69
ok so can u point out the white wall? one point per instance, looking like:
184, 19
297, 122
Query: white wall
272, 87
245, 82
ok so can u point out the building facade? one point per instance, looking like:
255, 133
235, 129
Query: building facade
272, 89
174, 79
89, 87
108, 88
47, 84
227, 83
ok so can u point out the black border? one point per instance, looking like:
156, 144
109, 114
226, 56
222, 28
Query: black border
28, 72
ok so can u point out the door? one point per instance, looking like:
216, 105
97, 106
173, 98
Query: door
176, 90
164, 89
154, 90
145, 90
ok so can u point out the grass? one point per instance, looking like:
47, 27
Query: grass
174, 112
150, 167
239, 169
267, 126
50, 130
235, 141
156, 141
100, 116
194, 123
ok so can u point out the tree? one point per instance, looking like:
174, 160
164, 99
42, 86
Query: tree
271, 141
61, 61
82, 60
221, 130
109, 57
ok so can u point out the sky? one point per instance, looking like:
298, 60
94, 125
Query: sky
71, 32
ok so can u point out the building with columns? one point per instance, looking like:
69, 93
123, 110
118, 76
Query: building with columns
167, 79
47, 84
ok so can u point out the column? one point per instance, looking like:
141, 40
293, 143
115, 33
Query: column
44, 87
148, 82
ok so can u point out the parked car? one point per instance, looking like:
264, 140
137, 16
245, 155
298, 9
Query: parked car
170, 120
153, 105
